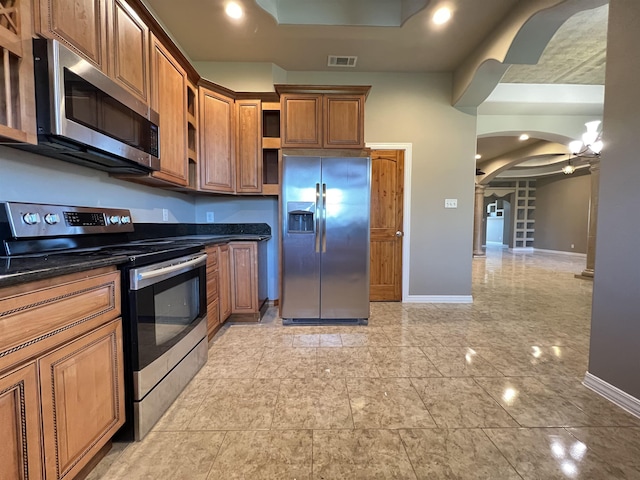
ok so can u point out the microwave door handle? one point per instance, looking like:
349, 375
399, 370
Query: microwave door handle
324, 217
318, 213
168, 271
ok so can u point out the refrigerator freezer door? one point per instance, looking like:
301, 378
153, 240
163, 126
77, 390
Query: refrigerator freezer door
344, 268
300, 296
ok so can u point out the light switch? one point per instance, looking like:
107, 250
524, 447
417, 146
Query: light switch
450, 203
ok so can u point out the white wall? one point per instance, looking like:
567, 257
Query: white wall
242, 76
25, 177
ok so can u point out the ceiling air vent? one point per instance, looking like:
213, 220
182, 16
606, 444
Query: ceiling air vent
342, 61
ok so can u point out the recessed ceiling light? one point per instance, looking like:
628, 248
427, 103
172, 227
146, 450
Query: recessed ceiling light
442, 15
234, 10
478, 156
523, 137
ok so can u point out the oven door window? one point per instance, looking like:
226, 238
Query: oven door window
166, 312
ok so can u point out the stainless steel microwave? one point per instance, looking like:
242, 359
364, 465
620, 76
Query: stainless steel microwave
85, 117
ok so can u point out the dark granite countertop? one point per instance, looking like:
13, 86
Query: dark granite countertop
16, 270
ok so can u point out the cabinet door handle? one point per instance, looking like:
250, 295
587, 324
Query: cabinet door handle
318, 212
324, 217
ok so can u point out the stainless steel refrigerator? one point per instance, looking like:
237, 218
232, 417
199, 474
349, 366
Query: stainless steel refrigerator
325, 239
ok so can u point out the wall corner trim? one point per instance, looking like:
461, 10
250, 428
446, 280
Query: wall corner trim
438, 299
613, 394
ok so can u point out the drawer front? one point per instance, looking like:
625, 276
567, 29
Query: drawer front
38, 320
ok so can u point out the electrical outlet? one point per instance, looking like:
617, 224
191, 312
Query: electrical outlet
165, 215
573, 246
210, 217
450, 203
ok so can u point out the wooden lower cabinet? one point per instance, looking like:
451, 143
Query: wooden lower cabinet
233, 284
213, 311
82, 387
244, 277
61, 373
248, 280
224, 282
21, 454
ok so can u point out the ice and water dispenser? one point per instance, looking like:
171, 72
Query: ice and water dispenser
300, 217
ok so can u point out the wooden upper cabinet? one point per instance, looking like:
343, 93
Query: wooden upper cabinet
129, 58
79, 24
216, 156
249, 146
20, 455
17, 97
343, 121
322, 116
301, 120
169, 99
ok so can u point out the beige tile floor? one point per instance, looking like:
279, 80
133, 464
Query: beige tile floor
489, 390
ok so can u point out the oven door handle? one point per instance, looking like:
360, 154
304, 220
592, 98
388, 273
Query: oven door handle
140, 279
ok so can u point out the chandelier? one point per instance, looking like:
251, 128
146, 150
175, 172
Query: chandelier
589, 146
569, 168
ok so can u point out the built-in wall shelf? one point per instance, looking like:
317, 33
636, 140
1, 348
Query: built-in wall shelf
271, 153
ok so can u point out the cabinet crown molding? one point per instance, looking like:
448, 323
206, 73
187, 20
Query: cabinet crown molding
323, 89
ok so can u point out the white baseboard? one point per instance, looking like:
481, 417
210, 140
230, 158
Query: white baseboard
613, 394
438, 299
560, 252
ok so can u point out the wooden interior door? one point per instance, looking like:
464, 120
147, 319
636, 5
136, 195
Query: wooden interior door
387, 196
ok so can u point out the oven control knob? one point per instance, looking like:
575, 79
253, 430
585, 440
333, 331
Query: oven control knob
125, 219
52, 218
114, 219
31, 218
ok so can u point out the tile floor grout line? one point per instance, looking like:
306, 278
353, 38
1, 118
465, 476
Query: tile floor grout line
497, 402
502, 453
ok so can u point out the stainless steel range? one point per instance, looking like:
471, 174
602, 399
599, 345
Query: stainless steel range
164, 295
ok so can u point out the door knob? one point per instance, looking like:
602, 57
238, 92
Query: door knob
399, 234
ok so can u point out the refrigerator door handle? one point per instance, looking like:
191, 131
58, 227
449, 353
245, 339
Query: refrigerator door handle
318, 233
324, 217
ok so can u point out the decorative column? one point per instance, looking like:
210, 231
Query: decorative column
594, 169
478, 218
